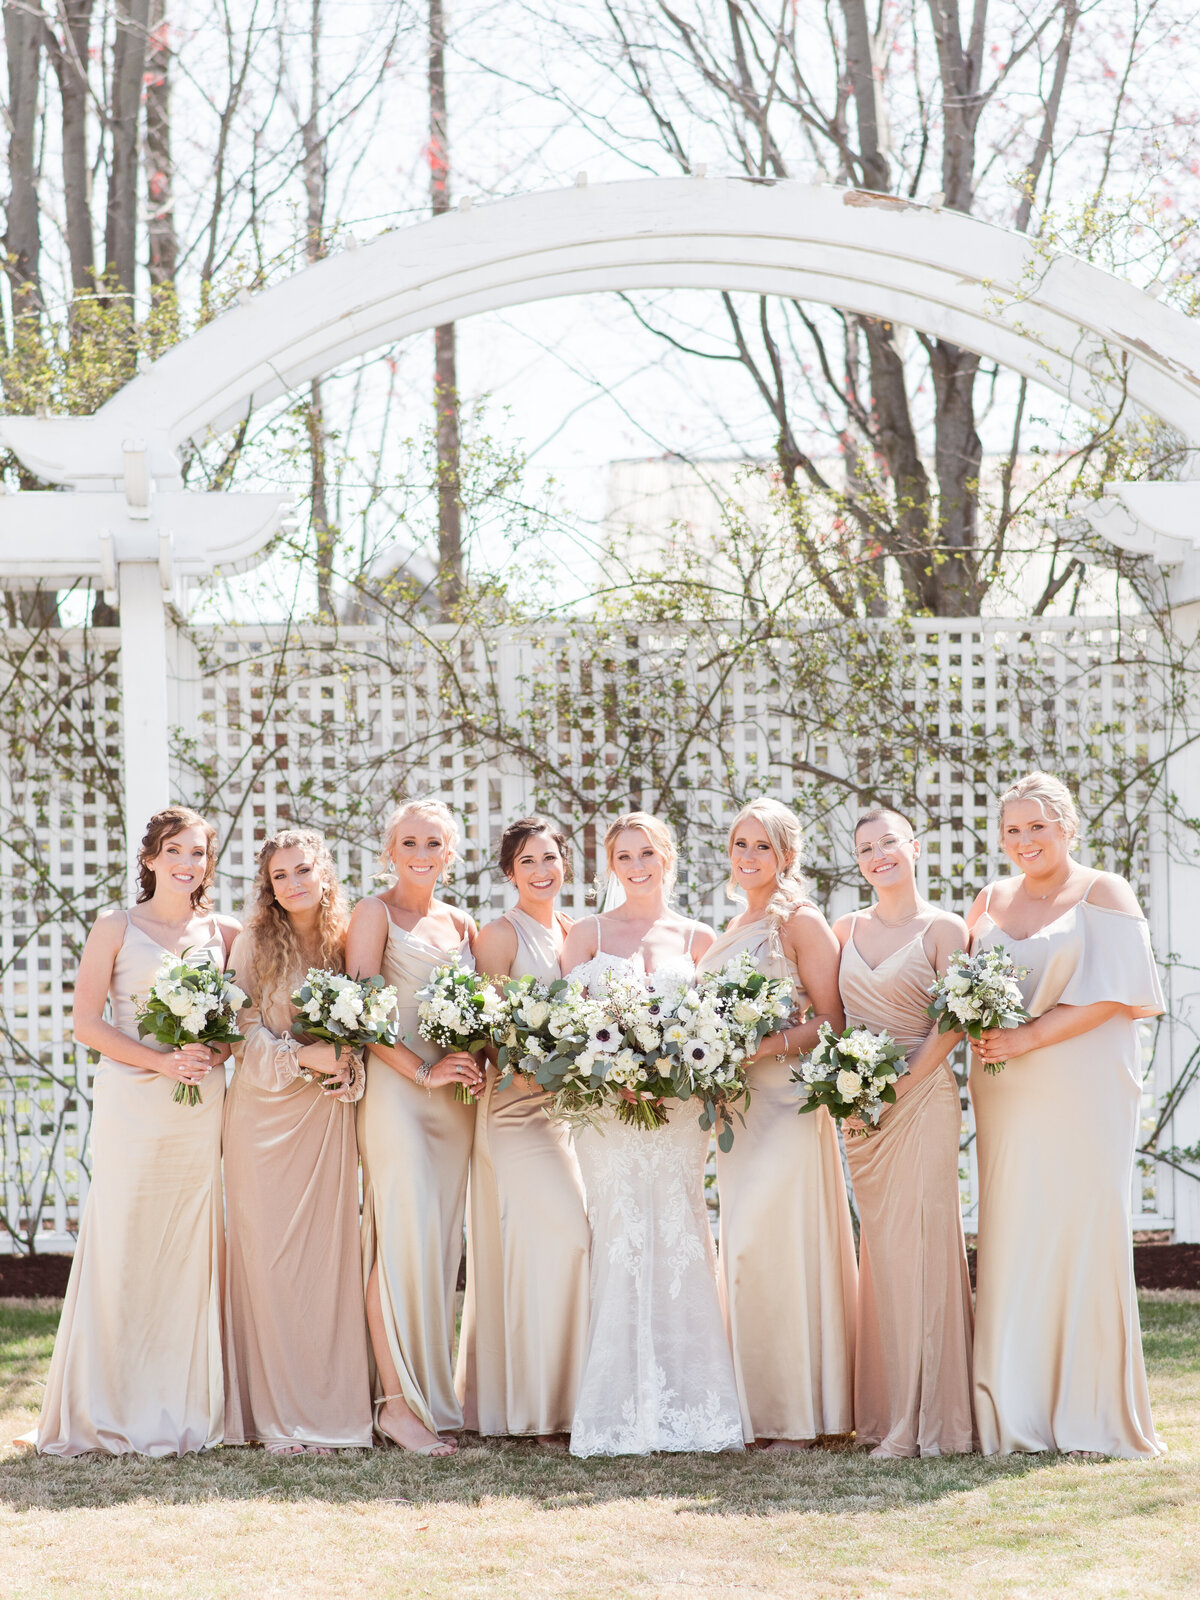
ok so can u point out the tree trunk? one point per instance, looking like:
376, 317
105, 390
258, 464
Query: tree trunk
160, 208
70, 57
316, 176
22, 231
129, 65
445, 379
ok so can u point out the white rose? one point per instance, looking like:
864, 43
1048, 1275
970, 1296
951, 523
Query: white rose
180, 1003
533, 1013
849, 1084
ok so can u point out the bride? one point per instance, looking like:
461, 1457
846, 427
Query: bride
657, 1370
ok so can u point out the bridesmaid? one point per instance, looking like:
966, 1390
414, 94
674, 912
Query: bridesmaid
414, 1137
1058, 1348
137, 1360
526, 1310
295, 1333
912, 1373
788, 1272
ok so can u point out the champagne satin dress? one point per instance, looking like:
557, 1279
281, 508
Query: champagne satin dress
525, 1315
295, 1326
1058, 1346
787, 1267
912, 1371
137, 1359
415, 1146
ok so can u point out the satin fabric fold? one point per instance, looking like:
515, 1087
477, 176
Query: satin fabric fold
912, 1377
415, 1146
525, 1313
295, 1325
137, 1358
788, 1274
1058, 1348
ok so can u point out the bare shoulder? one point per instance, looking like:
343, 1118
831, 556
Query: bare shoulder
1111, 892
464, 922
108, 930
700, 937
496, 946
581, 943
947, 933
229, 928
842, 927
370, 914
979, 903
806, 925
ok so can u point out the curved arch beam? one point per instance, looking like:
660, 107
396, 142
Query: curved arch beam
1092, 337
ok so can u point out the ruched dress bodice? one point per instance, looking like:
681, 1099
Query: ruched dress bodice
415, 1145
783, 1200
1058, 1352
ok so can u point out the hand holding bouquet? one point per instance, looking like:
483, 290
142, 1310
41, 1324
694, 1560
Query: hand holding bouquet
459, 1010
190, 1004
978, 993
348, 1013
852, 1074
547, 1033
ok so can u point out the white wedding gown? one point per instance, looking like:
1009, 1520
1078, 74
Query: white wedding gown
657, 1371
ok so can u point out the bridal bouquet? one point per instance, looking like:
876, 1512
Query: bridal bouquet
750, 1005
852, 1074
348, 1013
977, 993
458, 1010
547, 1032
190, 1004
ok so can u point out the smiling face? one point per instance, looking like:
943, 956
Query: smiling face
538, 869
886, 851
296, 879
638, 866
182, 861
753, 860
420, 849
1033, 842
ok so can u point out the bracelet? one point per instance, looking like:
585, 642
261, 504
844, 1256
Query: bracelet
421, 1076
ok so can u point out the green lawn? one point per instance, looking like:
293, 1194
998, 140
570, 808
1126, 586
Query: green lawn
511, 1520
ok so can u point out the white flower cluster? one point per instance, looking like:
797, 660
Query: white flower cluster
978, 993
344, 1011
190, 1003
459, 1010
852, 1074
554, 1034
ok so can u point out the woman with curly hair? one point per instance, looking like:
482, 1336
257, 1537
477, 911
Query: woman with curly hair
137, 1361
295, 1331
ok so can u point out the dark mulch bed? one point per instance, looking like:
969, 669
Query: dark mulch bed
1155, 1266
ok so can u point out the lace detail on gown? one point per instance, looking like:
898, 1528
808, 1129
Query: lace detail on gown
658, 1373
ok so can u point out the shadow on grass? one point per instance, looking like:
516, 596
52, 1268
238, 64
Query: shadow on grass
758, 1483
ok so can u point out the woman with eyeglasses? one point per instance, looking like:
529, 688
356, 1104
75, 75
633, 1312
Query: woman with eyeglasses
912, 1366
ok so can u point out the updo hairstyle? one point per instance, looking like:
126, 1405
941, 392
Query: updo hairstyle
516, 835
164, 825
659, 835
1052, 795
422, 808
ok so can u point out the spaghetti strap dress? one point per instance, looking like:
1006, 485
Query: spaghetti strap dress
787, 1269
912, 1366
525, 1314
415, 1146
137, 1359
1058, 1345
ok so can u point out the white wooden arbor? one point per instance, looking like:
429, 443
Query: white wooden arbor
129, 524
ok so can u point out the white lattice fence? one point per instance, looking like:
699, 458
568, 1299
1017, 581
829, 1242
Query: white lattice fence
327, 727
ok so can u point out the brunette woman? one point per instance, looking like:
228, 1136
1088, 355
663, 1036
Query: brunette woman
137, 1359
415, 1138
1058, 1348
526, 1309
295, 1330
787, 1246
912, 1359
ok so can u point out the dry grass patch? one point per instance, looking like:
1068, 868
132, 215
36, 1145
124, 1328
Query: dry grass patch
508, 1519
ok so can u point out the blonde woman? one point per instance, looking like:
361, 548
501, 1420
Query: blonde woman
912, 1359
788, 1272
657, 1373
295, 1334
526, 1308
1058, 1348
137, 1358
414, 1137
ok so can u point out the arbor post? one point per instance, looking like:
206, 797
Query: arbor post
144, 732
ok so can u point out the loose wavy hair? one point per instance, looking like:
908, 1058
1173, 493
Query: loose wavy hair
786, 837
164, 825
277, 956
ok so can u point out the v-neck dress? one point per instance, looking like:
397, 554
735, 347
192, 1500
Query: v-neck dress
415, 1145
1058, 1347
525, 1315
787, 1270
137, 1358
912, 1359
